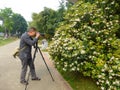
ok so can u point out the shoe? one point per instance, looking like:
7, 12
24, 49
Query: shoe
36, 78
24, 82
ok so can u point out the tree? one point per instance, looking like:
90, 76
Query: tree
19, 24
6, 14
48, 20
60, 12
45, 21
12, 22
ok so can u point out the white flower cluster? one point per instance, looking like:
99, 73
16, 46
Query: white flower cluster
87, 47
109, 77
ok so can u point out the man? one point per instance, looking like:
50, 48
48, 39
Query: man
25, 56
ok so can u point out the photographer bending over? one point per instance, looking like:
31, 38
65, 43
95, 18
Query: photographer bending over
25, 55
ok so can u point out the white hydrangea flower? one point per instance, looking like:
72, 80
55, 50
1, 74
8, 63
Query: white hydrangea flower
111, 15
65, 65
92, 30
111, 71
61, 59
65, 44
110, 77
112, 2
94, 52
92, 47
114, 83
78, 57
57, 63
104, 41
75, 54
99, 76
93, 23
107, 8
107, 82
78, 69
73, 69
81, 63
103, 2
112, 57
82, 51
90, 56
116, 21
102, 81
103, 74
111, 22
77, 19
85, 26
83, 46
76, 14
110, 39
76, 62
105, 66
64, 69
71, 65
70, 48
117, 82
89, 28
97, 83
82, 16
102, 88
113, 74
93, 57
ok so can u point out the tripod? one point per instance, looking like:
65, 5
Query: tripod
37, 49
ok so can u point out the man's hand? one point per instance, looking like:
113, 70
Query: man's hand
37, 34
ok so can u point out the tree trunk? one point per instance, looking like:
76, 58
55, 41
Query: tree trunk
6, 34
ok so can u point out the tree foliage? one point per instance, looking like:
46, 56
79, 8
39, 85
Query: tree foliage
6, 15
44, 21
48, 20
12, 22
19, 24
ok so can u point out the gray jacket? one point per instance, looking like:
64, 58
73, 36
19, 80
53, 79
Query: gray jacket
26, 42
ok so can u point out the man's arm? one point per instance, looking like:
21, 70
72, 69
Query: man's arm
32, 42
29, 41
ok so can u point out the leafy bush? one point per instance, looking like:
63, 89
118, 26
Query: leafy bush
86, 42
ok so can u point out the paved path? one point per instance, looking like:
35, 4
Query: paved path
10, 72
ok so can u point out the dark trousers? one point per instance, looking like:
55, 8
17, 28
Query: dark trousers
25, 63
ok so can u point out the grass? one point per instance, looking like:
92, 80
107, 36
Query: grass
78, 82
6, 41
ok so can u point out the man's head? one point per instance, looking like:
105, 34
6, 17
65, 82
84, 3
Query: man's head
32, 31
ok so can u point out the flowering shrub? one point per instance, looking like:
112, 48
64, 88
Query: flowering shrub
86, 42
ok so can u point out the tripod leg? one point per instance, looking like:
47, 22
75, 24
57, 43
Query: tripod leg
46, 64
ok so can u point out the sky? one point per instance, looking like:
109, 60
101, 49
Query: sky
27, 7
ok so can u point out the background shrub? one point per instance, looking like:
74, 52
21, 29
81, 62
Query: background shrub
86, 42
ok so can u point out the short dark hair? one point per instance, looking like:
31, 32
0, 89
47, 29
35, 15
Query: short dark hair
31, 28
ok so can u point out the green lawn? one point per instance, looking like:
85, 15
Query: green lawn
6, 41
79, 82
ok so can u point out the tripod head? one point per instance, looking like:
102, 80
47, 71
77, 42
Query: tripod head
36, 45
